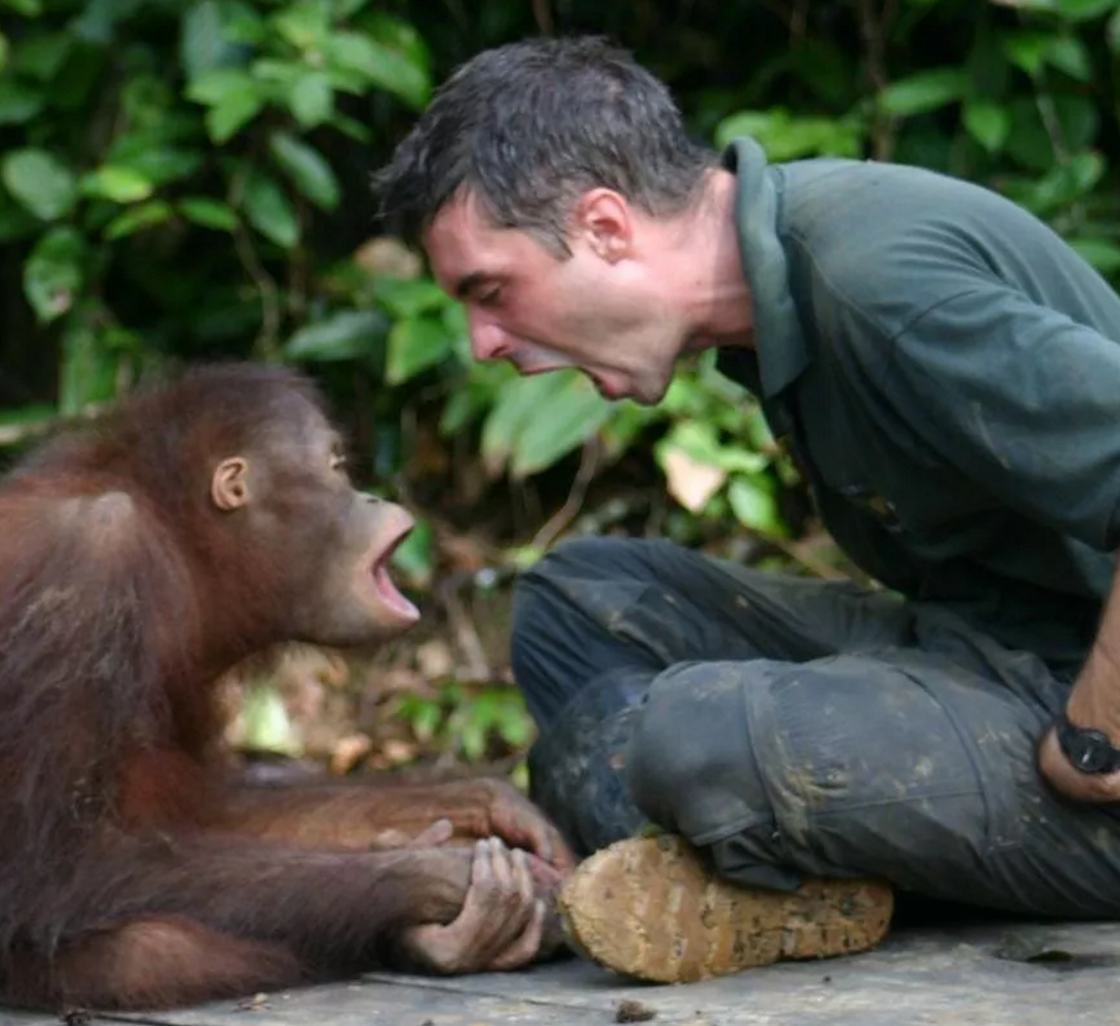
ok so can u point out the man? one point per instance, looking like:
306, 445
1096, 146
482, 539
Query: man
947, 371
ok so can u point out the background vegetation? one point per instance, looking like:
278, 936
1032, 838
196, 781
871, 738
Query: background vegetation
189, 180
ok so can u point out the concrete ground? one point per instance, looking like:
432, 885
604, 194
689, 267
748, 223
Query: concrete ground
994, 974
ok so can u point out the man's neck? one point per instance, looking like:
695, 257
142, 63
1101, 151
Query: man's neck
719, 298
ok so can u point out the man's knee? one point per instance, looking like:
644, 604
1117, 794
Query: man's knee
690, 763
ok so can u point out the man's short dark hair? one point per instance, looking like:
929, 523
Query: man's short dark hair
529, 127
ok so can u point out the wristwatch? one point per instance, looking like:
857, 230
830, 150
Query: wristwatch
1088, 750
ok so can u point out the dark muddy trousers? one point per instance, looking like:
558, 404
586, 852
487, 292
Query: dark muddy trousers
794, 727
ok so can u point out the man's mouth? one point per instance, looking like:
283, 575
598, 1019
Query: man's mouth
602, 386
605, 388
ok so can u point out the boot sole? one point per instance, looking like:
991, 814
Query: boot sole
648, 908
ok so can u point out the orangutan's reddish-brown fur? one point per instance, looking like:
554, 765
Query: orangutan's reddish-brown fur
132, 874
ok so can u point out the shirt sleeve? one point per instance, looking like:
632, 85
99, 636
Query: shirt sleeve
1020, 398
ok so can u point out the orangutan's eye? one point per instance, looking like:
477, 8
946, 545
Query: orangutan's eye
338, 461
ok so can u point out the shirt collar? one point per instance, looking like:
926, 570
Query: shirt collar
779, 342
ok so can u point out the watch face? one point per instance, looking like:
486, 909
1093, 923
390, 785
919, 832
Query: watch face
1088, 750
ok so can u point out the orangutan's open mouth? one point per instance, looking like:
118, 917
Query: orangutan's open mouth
387, 590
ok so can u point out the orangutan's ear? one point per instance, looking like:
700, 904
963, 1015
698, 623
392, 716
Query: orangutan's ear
229, 487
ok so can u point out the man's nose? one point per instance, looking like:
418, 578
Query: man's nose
488, 340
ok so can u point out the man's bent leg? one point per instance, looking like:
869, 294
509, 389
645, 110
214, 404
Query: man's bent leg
596, 605
903, 767
597, 619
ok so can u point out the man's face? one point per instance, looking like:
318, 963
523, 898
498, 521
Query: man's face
600, 310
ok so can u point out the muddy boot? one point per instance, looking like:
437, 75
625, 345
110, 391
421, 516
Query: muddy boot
650, 908
576, 768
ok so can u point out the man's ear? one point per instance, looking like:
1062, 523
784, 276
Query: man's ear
603, 218
229, 487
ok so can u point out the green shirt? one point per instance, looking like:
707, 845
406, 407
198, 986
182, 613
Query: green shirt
948, 372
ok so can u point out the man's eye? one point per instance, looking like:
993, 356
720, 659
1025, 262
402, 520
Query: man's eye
490, 298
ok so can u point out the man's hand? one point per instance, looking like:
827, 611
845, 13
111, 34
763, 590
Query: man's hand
1093, 702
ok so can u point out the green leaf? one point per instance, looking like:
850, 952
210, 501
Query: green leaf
282, 74
345, 335
924, 92
28, 8
41, 56
381, 65
224, 120
1069, 54
203, 40
308, 169
119, 184
219, 84
1028, 50
1103, 254
988, 123
699, 440
353, 128
415, 344
40, 182
233, 96
242, 24
270, 211
785, 137
409, 297
536, 420
573, 412
146, 215
343, 81
19, 103
1112, 33
752, 501
398, 34
311, 99
144, 153
208, 212
90, 363
54, 273
5, 50
305, 24
1066, 183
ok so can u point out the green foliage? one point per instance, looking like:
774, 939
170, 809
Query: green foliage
164, 165
472, 723
180, 182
